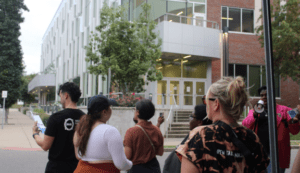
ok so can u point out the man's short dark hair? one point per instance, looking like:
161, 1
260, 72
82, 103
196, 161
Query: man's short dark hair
72, 89
200, 111
261, 88
146, 109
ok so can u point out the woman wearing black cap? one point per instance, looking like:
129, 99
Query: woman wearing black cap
98, 145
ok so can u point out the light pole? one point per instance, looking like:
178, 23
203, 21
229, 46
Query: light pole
225, 51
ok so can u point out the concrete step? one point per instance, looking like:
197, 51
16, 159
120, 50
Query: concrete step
178, 132
179, 128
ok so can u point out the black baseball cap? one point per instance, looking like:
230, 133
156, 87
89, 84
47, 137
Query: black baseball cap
98, 103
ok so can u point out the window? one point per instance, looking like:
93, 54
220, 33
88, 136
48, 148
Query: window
176, 8
254, 77
238, 20
197, 1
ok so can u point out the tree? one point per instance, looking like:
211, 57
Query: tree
25, 97
130, 49
11, 67
285, 38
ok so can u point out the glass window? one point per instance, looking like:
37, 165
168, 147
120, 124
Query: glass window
197, 1
241, 70
254, 80
170, 68
178, 9
248, 21
194, 69
189, 13
158, 8
199, 8
230, 70
234, 19
224, 17
136, 6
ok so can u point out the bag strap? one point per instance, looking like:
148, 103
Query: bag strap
147, 137
235, 140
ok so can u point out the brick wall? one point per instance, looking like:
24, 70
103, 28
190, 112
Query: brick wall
216, 70
246, 49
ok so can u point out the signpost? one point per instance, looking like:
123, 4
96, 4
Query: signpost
270, 87
4, 95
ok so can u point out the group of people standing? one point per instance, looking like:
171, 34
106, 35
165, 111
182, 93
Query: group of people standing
84, 143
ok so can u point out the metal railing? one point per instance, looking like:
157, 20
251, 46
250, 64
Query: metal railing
170, 117
188, 20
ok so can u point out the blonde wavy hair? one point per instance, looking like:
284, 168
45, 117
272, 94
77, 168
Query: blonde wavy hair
232, 95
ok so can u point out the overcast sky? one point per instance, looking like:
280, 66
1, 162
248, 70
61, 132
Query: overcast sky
35, 25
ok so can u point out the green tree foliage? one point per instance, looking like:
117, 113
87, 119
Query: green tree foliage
285, 38
11, 67
129, 48
25, 97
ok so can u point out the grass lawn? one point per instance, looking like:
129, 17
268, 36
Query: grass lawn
16, 106
295, 137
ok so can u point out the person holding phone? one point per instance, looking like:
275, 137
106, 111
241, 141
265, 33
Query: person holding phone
285, 125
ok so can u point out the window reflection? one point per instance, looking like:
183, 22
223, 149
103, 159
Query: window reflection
194, 69
234, 19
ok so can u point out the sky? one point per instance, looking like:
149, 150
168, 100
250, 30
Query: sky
33, 29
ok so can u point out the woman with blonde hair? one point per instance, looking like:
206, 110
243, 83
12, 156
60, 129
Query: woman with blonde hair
225, 146
98, 145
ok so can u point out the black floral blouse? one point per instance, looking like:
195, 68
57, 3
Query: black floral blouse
211, 150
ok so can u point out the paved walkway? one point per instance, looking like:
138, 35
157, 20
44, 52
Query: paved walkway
17, 135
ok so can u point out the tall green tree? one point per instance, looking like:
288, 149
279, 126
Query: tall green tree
11, 67
129, 48
285, 38
25, 96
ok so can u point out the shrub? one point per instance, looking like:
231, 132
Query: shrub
24, 111
44, 118
38, 111
128, 101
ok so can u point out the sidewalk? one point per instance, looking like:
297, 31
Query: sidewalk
17, 135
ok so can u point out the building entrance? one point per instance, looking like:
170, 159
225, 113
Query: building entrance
185, 93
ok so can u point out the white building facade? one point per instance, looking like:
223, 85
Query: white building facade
64, 41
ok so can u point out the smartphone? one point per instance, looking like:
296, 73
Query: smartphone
293, 112
161, 114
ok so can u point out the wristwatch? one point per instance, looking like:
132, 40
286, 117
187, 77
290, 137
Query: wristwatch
34, 135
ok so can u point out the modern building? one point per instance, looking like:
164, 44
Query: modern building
63, 49
192, 48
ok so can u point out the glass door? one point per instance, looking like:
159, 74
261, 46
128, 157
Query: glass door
200, 92
161, 93
188, 92
174, 92
199, 15
199, 20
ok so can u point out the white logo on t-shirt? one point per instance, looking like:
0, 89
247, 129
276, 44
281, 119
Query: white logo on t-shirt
69, 124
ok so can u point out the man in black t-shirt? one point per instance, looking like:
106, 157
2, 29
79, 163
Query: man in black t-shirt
58, 138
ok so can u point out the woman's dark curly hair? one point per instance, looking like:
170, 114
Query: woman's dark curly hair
72, 89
